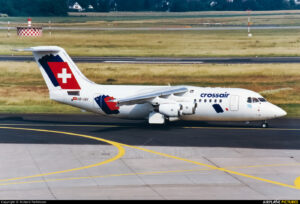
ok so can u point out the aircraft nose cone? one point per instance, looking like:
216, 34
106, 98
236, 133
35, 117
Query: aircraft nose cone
279, 112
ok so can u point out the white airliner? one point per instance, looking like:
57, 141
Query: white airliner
157, 104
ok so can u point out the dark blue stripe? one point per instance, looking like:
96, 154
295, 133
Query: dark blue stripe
218, 108
44, 62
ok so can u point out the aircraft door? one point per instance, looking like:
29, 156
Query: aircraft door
234, 103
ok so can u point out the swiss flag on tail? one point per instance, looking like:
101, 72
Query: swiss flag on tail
64, 75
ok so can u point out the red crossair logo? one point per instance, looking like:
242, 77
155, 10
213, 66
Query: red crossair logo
64, 75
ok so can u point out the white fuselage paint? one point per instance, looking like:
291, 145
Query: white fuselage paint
233, 102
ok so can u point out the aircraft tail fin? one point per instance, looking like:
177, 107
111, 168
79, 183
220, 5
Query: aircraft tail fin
58, 69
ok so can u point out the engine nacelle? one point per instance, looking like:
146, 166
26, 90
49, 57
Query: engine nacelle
170, 110
188, 108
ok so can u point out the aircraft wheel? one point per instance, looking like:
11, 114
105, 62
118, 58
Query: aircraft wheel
265, 125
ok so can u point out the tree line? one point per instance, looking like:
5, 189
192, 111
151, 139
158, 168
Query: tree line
61, 7
34, 7
187, 5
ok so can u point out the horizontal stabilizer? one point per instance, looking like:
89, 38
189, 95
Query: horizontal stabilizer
40, 49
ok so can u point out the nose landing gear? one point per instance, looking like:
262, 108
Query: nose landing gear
265, 124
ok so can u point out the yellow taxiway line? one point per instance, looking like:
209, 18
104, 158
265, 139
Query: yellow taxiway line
149, 173
214, 167
122, 152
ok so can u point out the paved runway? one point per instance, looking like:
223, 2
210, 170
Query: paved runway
168, 60
182, 28
94, 157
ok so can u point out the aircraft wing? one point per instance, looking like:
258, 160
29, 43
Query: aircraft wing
146, 96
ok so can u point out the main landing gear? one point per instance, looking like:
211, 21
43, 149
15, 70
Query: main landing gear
265, 124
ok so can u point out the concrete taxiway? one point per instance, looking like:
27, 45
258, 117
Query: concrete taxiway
94, 157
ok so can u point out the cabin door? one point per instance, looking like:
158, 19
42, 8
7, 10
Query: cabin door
234, 103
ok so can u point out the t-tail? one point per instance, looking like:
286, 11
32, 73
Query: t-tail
60, 73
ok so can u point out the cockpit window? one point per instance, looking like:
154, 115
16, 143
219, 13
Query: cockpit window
255, 100
249, 100
262, 100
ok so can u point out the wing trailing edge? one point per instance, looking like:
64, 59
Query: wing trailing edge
147, 96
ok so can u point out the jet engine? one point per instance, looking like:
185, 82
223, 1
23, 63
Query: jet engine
170, 110
176, 110
188, 108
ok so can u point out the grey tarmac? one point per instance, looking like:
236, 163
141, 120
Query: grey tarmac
85, 156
